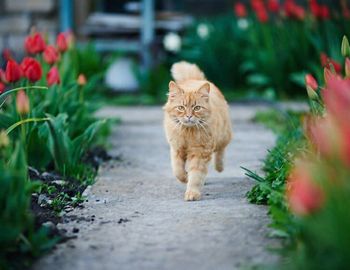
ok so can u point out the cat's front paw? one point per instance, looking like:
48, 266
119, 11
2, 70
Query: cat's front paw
192, 195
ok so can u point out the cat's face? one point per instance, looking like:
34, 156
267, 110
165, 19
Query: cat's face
188, 108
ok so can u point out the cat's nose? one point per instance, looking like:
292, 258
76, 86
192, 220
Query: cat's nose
189, 117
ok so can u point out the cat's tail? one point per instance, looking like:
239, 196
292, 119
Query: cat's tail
182, 71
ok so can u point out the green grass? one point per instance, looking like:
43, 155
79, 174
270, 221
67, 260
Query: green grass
270, 187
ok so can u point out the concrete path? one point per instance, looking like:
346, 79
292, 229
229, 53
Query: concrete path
135, 216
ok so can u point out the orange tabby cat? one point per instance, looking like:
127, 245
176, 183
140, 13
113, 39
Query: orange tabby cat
197, 124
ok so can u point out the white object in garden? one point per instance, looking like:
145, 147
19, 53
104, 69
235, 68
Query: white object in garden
243, 24
120, 76
202, 30
172, 42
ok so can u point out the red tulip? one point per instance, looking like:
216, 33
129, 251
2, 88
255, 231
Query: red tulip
328, 62
50, 55
262, 15
7, 55
61, 42
311, 82
2, 87
13, 71
240, 10
293, 10
273, 6
81, 79
257, 5
22, 102
31, 69
317, 130
324, 12
53, 76
34, 44
336, 97
303, 195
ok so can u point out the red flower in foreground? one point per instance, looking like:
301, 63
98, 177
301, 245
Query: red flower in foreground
34, 44
303, 195
53, 76
273, 6
2, 87
31, 69
50, 55
240, 10
13, 71
328, 62
61, 42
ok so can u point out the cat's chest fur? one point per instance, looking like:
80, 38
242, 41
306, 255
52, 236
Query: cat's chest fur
192, 138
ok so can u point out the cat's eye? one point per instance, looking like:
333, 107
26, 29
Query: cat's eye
197, 108
181, 108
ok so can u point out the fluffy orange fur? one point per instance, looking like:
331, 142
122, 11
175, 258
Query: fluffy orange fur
197, 125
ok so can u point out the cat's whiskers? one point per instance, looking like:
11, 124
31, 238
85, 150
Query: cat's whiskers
178, 124
205, 130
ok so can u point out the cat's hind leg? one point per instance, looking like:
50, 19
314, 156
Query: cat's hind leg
219, 160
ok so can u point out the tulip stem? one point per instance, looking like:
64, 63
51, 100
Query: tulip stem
5, 94
23, 121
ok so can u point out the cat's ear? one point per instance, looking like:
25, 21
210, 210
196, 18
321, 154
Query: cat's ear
174, 90
204, 90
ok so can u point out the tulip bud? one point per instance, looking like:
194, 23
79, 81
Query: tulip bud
345, 47
50, 55
13, 71
4, 139
22, 102
53, 76
347, 68
81, 79
61, 42
311, 86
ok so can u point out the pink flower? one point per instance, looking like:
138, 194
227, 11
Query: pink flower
311, 81
81, 79
240, 10
53, 76
303, 195
61, 42
328, 62
50, 55
22, 102
273, 6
